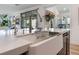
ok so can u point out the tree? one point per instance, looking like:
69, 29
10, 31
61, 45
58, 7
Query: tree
4, 20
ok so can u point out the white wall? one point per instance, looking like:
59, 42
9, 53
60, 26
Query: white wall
74, 32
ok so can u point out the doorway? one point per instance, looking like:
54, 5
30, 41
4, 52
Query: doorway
29, 21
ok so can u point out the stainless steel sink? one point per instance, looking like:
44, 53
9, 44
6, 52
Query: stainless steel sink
53, 33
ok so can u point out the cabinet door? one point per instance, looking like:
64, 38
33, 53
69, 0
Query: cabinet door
68, 45
64, 45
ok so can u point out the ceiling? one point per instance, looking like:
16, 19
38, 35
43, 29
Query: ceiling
62, 8
7, 8
12, 8
65, 8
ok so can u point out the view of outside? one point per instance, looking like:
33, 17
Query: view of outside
28, 21
4, 21
8, 24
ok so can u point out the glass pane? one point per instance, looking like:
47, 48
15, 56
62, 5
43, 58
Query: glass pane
29, 21
23, 15
33, 25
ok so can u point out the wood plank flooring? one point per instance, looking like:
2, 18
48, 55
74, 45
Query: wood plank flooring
74, 49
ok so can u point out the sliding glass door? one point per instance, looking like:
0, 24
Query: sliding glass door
28, 21
33, 23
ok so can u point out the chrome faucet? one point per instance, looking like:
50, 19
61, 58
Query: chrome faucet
23, 31
15, 30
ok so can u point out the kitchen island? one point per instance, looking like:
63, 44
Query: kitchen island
19, 44
66, 40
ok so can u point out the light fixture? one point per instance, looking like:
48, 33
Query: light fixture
17, 4
64, 9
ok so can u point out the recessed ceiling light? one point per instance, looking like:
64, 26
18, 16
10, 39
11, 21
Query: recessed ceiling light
17, 4
64, 9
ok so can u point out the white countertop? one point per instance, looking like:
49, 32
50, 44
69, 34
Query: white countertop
59, 30
12, 43
8, 43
